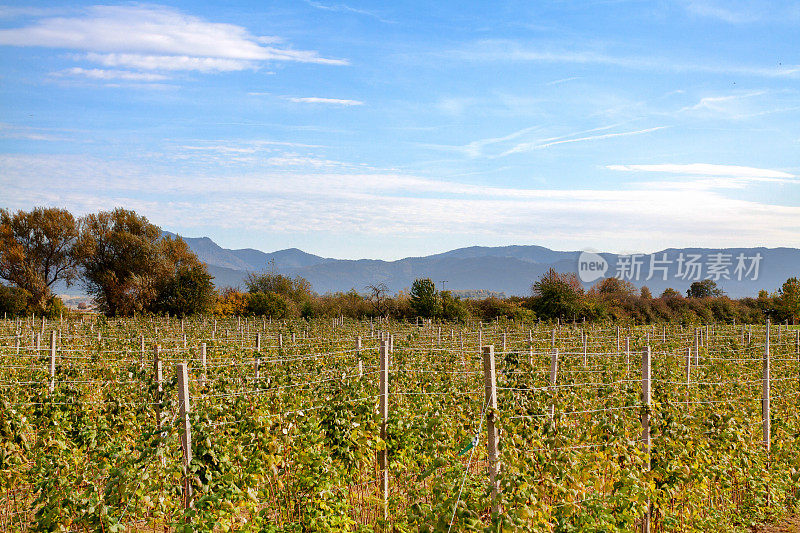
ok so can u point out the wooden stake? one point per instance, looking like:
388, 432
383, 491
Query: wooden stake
52, 361
553, 378
765, 397
360, 362
646, 403
383, 459
186, 430
492, 441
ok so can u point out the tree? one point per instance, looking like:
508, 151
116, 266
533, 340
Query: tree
297, 289
36, 250
703, 289
453, 308
183, 284
13, 300
423, 298
379, 298
645, 293
557, 295
119, 259
669, 292
789, 299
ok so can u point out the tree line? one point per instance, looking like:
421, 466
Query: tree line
129, 267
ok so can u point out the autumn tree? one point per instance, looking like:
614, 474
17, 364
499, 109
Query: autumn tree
119, 257
703, 289
36, 251
557, 295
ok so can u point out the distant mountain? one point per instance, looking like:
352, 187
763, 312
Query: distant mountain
505, 269
247, 259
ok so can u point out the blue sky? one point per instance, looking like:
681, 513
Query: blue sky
383, 130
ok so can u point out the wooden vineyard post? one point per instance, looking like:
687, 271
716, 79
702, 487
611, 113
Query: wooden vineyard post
551, 409
766, 393
52, 386
159, 376
646, 402
141, 351
258, 342
628, 354
504, 342
186, 431
383, 459
617, 339
585, 347
358, 354
688, 365
696, 347
204, 362
492, 441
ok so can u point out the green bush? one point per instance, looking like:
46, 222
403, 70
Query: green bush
13, 300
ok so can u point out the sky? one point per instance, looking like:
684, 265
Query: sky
383, 130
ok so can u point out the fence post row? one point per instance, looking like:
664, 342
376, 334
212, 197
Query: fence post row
492, 441
383, 459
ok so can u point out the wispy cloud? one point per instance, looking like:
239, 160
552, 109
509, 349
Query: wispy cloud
318, 100
706, 169
103, 74
707, 176
504, 50
12, 131
149, 37
343, 8
527, 147
725, 14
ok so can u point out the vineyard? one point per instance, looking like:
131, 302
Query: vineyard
204, 424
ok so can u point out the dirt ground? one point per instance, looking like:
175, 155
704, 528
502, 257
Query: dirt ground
790, 525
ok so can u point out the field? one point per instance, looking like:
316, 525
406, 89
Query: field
287, 431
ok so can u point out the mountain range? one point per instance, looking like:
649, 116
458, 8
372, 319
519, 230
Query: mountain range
505, 269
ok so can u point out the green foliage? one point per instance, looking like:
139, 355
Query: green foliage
130, 268
453, 308
557, 295
703, 289
296, 289
13, 300
424, 298
190, 291
270, 304
789, 300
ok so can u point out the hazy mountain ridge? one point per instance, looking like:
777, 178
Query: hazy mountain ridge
505, 269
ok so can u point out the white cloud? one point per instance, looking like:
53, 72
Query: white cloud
347, 203
12, 131
157, 38
150, 62
102, 74
504, 50
317, 100
706, 169
527, 147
